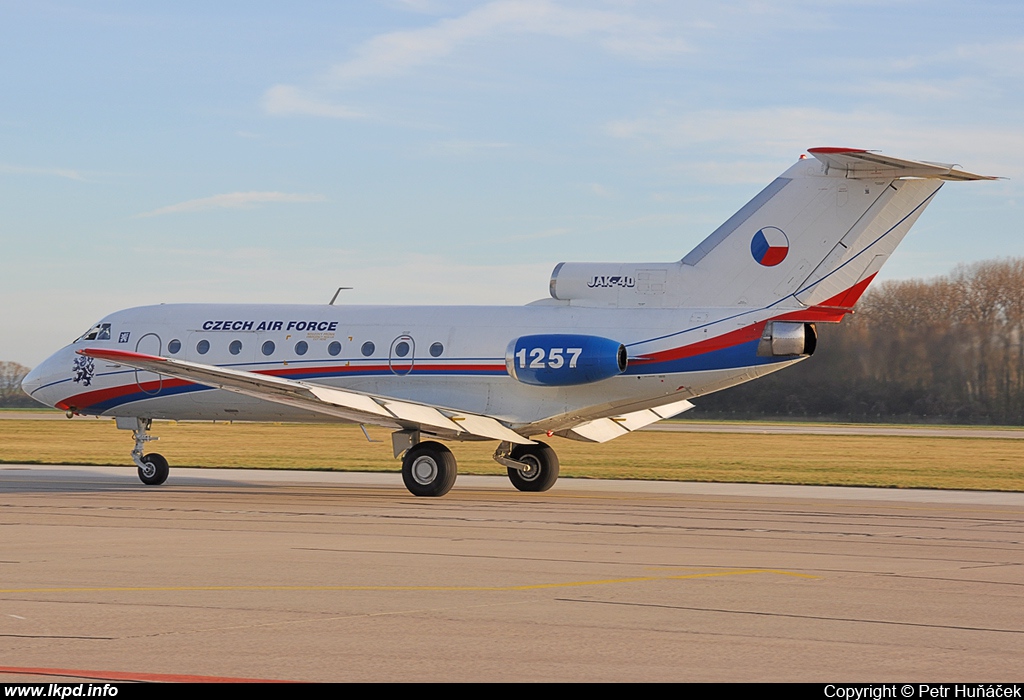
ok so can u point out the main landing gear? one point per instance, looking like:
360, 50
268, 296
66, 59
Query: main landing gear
429, 468
532, 468
153, 468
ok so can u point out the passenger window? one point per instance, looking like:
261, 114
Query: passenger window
436, 350
301, 347
203, 347
174, 346
402, 349
268, 348
334, 349
235, 347
367, 349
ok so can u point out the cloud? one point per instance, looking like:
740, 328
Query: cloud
919, 89
286, 100
990, 59
538, 235
1001, 58
394, 53
397, 52
460, 147
232, 200
56, 172
786, 132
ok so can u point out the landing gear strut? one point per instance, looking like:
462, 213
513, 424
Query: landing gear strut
530, 467
153, 468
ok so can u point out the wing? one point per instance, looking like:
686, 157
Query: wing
341, 403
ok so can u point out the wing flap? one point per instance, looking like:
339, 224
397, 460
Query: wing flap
341, 403
425, 415
611, 427
485, 426
324, 408
347, 399
599, 430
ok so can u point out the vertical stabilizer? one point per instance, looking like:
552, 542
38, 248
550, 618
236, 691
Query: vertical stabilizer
816, 235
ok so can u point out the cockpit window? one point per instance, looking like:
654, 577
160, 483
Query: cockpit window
101, 331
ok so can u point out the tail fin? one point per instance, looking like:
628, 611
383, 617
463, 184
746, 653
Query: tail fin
815, 236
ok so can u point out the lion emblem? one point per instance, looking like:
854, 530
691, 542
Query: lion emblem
83, 370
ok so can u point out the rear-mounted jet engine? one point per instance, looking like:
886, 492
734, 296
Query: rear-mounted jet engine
781, 338
564, 360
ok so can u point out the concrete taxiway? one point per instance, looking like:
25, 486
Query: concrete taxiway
316, 576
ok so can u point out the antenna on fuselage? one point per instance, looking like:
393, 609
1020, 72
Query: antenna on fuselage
335, 297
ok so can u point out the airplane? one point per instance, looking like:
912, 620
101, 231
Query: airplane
615, 347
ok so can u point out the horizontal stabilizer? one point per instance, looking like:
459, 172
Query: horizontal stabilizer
860, 164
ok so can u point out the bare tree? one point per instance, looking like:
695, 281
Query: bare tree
949, 348
11, 374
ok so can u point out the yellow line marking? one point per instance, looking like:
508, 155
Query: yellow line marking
527, 587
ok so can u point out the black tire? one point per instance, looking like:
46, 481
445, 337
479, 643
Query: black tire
429, 469
543, 472
158, 471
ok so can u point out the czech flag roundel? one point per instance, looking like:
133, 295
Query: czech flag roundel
769, 246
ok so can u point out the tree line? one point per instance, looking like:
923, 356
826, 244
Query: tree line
948, 349
11, 395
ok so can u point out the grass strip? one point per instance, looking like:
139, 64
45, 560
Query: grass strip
956, 462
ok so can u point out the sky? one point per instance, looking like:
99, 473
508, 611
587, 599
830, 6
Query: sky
450, 152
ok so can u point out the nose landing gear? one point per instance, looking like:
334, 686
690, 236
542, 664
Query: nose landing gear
153, 468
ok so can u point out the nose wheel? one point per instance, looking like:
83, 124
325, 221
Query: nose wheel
154, 469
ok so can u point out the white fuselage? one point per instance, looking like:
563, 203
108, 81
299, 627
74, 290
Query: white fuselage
456, 358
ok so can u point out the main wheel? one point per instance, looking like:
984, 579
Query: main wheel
541, 470
156, 470
429, 469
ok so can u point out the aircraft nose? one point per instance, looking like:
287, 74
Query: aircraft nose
32, 381
36, 382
